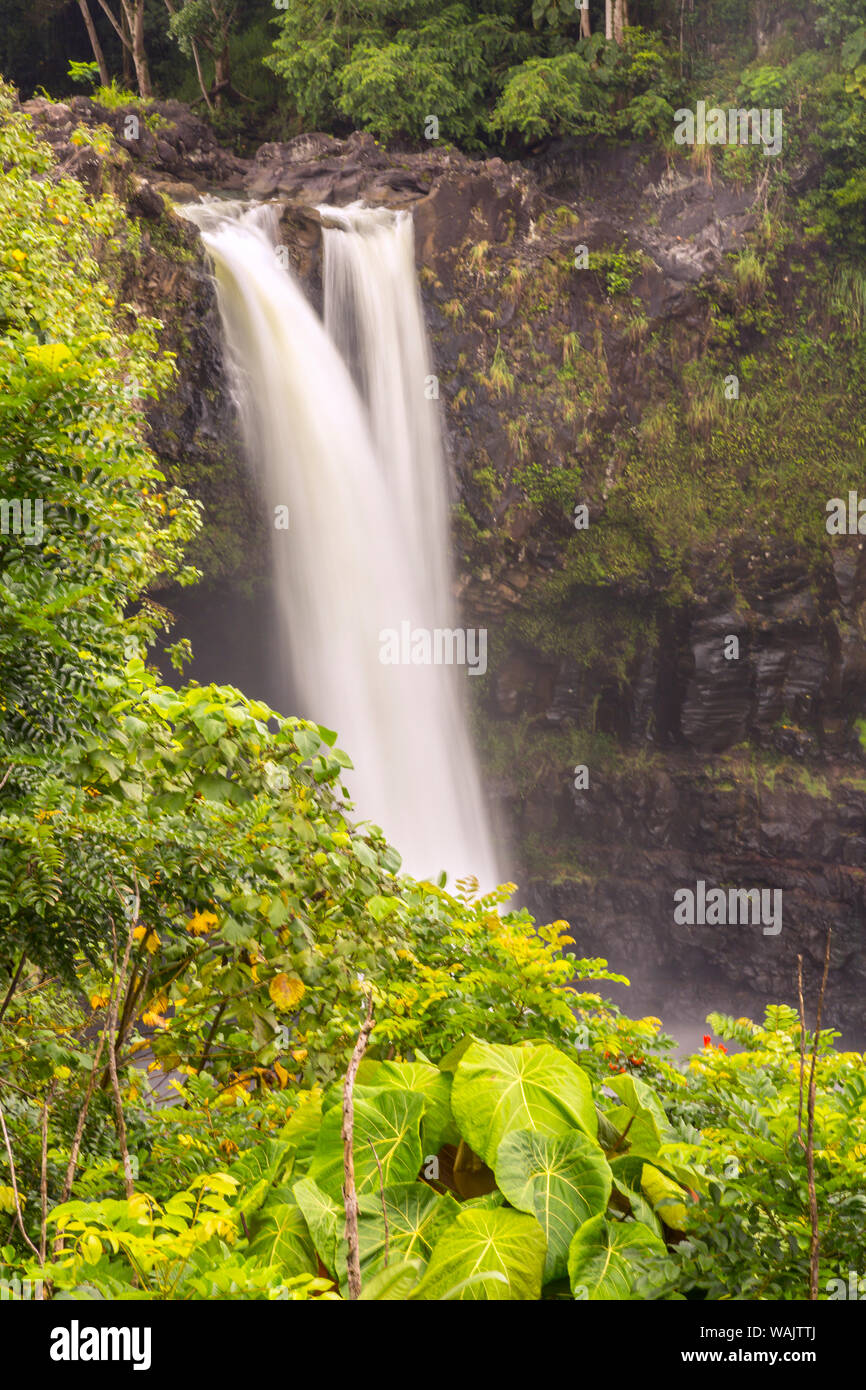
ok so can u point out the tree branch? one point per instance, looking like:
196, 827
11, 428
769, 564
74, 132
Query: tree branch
11, 990
350, 1195
815, 1242
802, 1048
112, 1056
14, 1182
114, 24
43, 1174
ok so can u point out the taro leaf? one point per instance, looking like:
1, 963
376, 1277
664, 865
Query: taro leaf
637, 1096
437, 1127
386, 1128
488, 1202
666, 1197
600, 1258
629, 1166
634, 1129
640, 1207
282, 1237
451, 1060
496, 1255
321, 1215
417, 1216
561, 1181
303, 1128
498, 1089
395, 1282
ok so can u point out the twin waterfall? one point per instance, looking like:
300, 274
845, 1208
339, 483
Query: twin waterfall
341, 434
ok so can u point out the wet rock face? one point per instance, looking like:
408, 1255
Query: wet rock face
645, 838
737, 770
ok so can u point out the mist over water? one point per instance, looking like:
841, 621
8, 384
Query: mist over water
340, 432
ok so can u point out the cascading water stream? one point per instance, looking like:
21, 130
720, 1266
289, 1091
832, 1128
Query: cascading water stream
360, 468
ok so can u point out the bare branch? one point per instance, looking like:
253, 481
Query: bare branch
14, 1181
815, 1242
112, 1055
802, 1048
350, 1195
114, 24
11, 990
43, 1173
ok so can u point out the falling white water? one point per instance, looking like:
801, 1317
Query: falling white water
362, 473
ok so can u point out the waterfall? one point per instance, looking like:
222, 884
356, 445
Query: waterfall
340, 432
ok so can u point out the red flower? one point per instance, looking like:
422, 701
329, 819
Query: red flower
707, 1040
723, 1049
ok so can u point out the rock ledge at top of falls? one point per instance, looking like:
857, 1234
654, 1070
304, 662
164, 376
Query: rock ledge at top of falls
178, 148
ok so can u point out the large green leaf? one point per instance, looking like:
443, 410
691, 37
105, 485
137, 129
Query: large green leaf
386, 1128
302, 1130
641, 1209
416, 1217
437, 1127
599, 1263
481, 1244
640, 1116
634, 1130
562, 1181
395, 1282
667, 1197
637, 1096
498, 1089
282, 1237
323, 1217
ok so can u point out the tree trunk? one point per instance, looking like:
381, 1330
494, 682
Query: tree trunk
127, 52
620, 19
134, 12
585, 27
204, 90
94, 42
222, 79
608, 19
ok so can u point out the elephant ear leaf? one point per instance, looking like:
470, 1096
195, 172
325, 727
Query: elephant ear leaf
666, 1197
602, 1255
496, 1255
416, 1215
640, 1114
498, 1089
437, 1127
561, 1181
394, 1283
386, 1141
282, 1238
322, 1215
637, 1096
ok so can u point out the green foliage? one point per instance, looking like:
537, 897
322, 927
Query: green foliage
84, 72
750, 1231
388, 69
547, 94
433, 1223
485, 70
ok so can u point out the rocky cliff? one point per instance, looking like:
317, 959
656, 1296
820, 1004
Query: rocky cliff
652, 387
